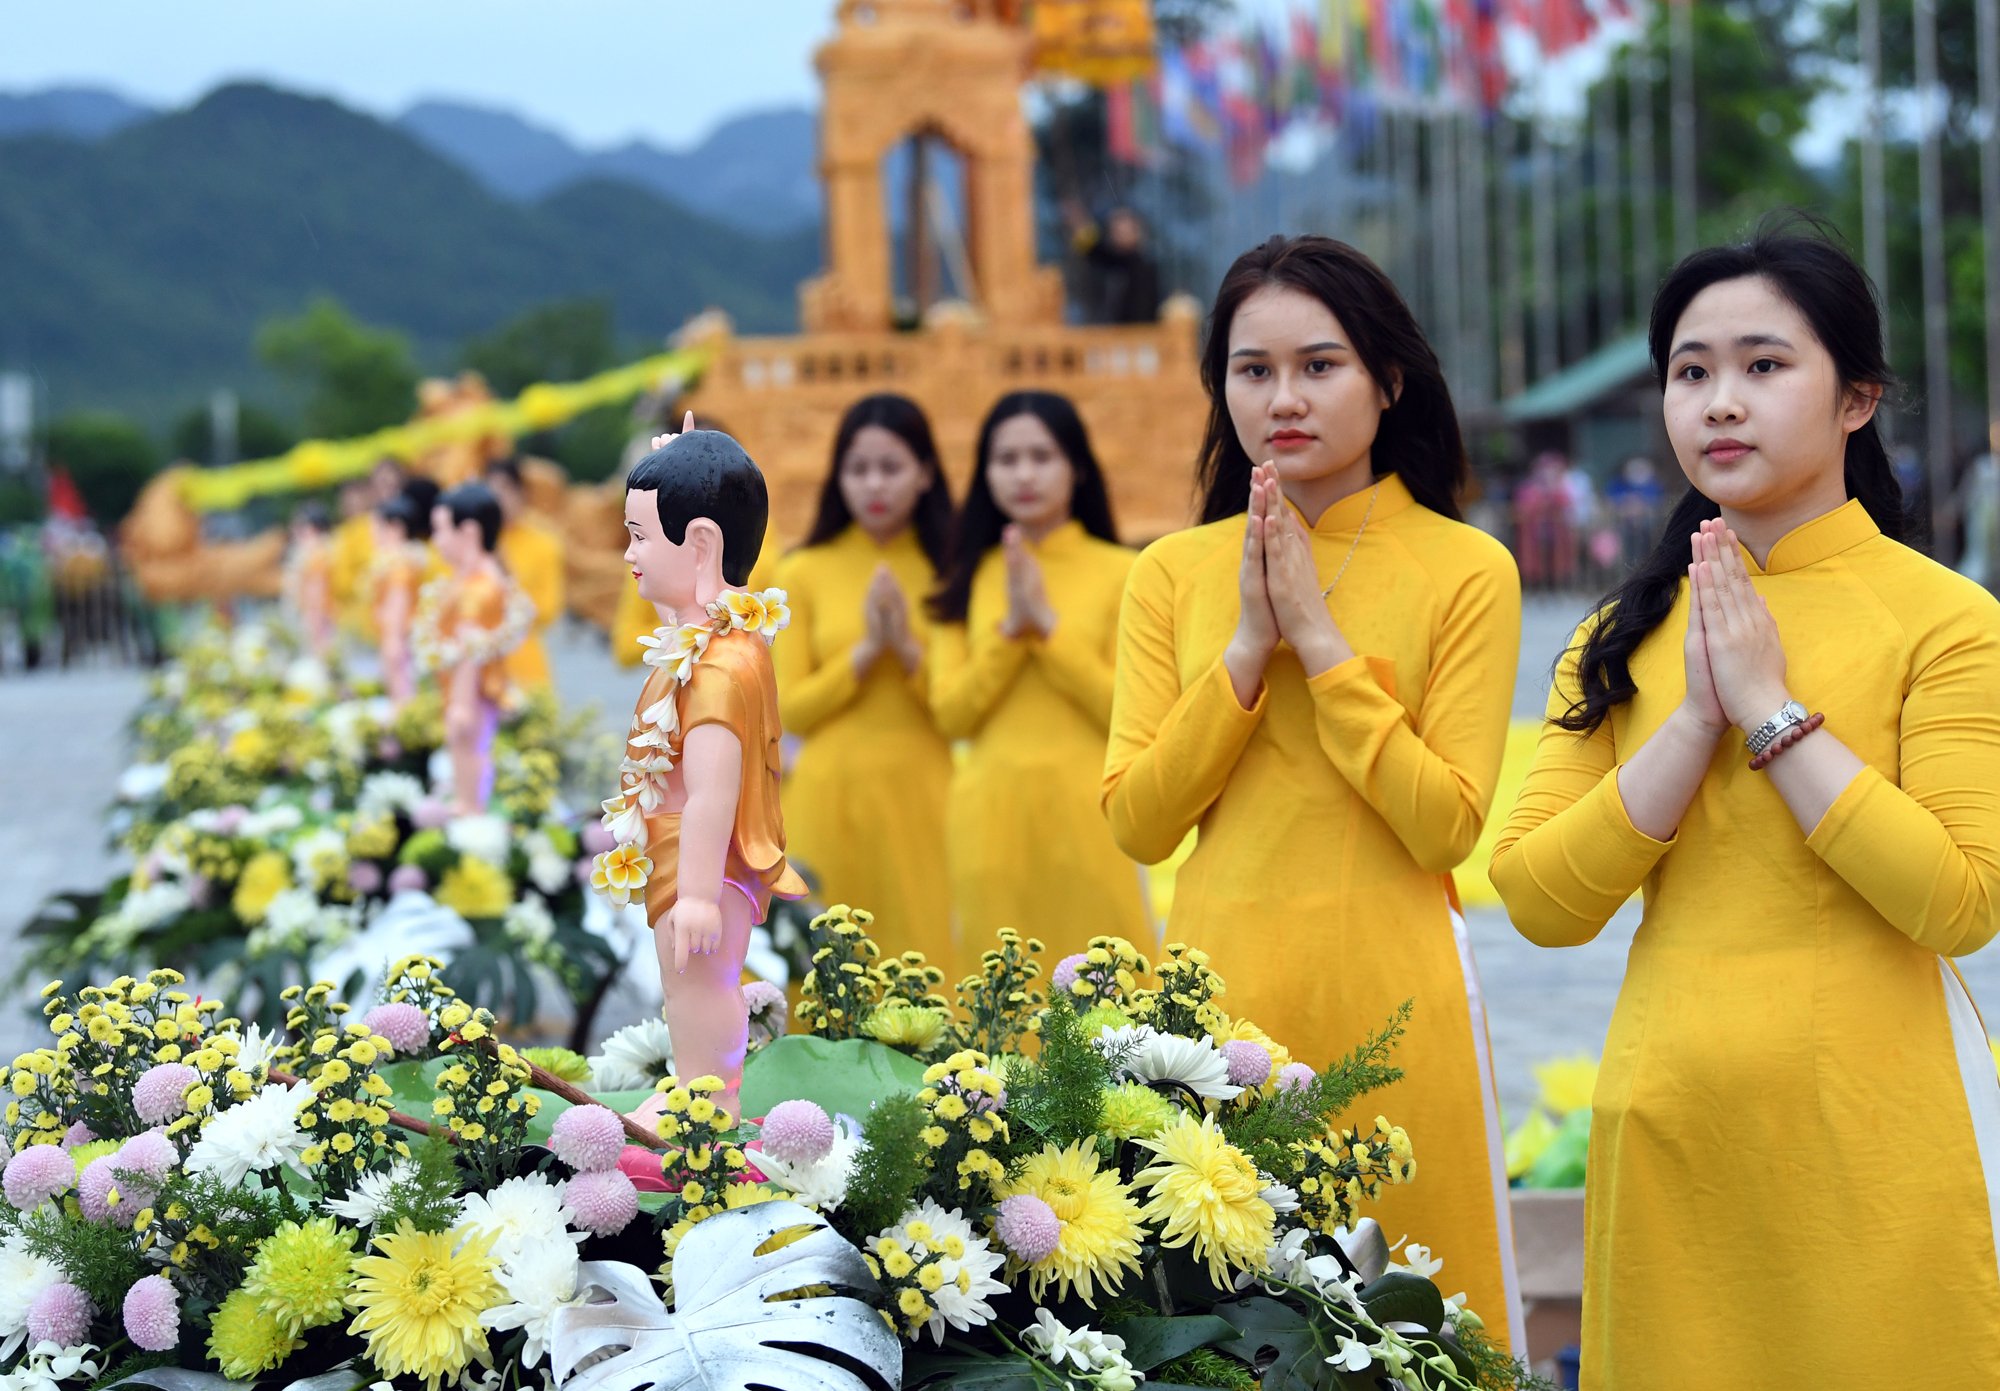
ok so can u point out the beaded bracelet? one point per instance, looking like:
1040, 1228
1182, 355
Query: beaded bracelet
1786, 740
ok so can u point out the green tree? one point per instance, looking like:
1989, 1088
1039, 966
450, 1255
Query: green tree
107, 456
356, 378
259, 434
559, 342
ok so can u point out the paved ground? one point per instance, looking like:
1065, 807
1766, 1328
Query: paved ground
61, 750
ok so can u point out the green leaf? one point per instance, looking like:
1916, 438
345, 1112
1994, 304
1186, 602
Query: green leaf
1400, 1297
1300, 1352
1152, 1341
849, 1075
986, 1373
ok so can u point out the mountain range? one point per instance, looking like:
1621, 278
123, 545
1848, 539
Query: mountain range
139, 251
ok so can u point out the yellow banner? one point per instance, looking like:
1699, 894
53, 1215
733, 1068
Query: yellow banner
1102, 42
312, 464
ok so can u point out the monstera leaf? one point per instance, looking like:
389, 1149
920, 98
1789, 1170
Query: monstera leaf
738, 1319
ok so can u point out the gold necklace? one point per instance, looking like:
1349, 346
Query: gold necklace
1356, 544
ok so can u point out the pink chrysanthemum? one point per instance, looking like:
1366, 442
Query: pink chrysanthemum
1295, 1077
149, 1153
1028, 1228
596, 839
36, 1174
389, 748
798, 1132
1249, 1062
78, 1134
430, 814
153, 1314
103, 1196
602, 1202
408, 879
156, 1096
60, 1314
364, 877
407, 1028
1064, 975
588, 1138
767, 1008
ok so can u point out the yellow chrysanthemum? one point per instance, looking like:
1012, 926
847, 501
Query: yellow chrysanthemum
1134, 1111
244, 1343
906, 1026
300, 1277
1206, 1191
1100, 1222
472, 888
419, 1301
267, 875
621, 872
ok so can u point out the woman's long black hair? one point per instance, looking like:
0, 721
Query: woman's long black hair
1832, 293
904, 419
1419, 437
980, 521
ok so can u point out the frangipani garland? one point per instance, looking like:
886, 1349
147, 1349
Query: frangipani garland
620, 873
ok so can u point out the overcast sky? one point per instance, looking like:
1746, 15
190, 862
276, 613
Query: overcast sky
598, 71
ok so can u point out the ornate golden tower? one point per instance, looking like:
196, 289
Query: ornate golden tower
949, 70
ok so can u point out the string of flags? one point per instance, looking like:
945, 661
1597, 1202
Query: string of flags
1336, 63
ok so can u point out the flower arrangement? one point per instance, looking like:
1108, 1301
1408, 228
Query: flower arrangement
1058, 1192
291, 821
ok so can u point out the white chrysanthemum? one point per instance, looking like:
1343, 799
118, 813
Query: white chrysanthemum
278, 820
1282, 1198
968, 1279
254, 1135
823, 1183
540, 1280
636, 1056
548, 868
308, 676
23, 1275
316, 851
482, 837
1099, 1358
253, 1053
528, 920
521, 1214
385, 794
1140, 1053
369, 1197
347, 726
297, 918
141, 912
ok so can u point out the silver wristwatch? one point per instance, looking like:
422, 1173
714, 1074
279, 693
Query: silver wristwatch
1766, 734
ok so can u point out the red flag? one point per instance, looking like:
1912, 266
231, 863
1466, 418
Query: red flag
1121, 132
65, 502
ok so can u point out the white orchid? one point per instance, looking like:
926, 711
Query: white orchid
1351, 1354
1099, 1358
1417, 1261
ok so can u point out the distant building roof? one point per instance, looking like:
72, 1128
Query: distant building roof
1582, 384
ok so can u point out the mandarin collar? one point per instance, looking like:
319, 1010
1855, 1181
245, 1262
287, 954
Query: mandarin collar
1824, 536
1391, 495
